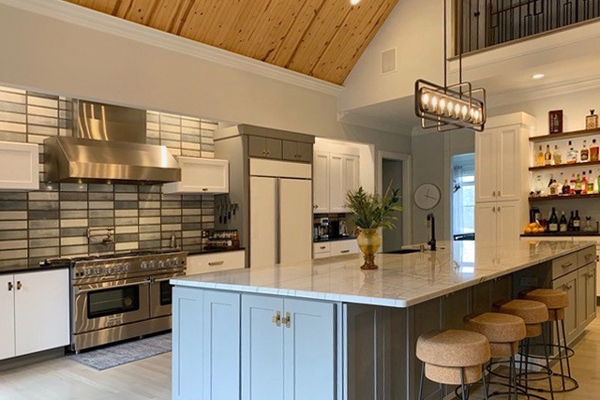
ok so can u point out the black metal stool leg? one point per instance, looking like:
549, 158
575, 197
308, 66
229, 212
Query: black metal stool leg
548, 365
562, 323
422, 376
560, 350
485, 387
462, 383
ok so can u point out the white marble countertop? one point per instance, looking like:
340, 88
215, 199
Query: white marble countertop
402, 280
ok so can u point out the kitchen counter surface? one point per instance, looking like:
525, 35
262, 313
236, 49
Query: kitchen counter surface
402, 280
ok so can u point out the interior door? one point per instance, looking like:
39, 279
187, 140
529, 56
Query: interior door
263, 221
295, 219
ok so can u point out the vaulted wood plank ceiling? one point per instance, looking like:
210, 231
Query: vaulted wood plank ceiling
319, 38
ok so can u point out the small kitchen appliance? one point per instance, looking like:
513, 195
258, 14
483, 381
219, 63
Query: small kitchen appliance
324, 228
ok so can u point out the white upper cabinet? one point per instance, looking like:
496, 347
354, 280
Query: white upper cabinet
321, 182
19, 166
200, 175
334, 174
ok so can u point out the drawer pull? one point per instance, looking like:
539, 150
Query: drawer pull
276, 319
19, 285
322, 247
287, 320
345, 251
216, 263
567, 265
10, 286
205, 189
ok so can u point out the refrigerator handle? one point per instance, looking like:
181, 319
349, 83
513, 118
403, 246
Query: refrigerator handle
278, 220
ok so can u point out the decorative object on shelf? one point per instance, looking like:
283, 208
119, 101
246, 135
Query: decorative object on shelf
591, 121
450, 107
371, 211
427, 196
555, 121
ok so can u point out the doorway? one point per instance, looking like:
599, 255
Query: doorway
395, 168
463, 195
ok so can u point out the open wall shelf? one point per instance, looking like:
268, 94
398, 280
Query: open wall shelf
573, 165
564, 135
534, 199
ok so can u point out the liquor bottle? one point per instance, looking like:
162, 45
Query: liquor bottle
552, 186
570, 223
547, 156
540, 157
578, 184
566, 189
534, 213
590, 182
553, 222
583, 183
539, 186
562, 224
594, 151
576, 222
584, 155
571, 154
572, 184
557, 156
598, 183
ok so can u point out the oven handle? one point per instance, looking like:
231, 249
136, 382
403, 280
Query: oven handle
168, 278
78, 289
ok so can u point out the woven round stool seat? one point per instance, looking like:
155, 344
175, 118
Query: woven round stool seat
555, 299
502, 330
532, 312
445, 353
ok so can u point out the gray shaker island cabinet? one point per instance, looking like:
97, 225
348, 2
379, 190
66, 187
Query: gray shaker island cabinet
351, 333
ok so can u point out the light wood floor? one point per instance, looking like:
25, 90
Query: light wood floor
63, 379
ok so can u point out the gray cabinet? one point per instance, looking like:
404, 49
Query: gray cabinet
264, 147
297, 151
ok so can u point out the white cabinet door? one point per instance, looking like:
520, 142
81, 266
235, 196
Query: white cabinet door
507, 221
295, 220
206, 344
309, 350
508, 170
485, 222
263, 221
7, 316
336, 183
351, 174
485, 166
19, 166
262, 348
321, 182
200, 175
41, 300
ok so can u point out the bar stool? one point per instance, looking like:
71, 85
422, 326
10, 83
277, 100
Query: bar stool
504, 332
557, 300
453, 357
534, 313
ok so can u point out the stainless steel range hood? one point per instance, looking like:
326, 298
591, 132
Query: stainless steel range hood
109, 147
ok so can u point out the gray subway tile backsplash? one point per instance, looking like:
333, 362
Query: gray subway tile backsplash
53, 221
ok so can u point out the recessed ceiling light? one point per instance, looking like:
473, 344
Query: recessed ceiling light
354, 2
538, 76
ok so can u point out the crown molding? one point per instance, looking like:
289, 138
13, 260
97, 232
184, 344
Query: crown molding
357, 119
78, 15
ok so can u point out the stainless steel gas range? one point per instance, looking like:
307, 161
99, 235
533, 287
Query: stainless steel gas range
122, 296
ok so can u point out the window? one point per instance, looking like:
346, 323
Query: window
463, 194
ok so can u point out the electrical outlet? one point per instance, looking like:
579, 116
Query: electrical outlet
529, 281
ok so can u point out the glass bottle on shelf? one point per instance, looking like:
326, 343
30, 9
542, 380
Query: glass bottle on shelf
557, 156
553, 222
562, 224
570, 223
540, 157
547, 156
598, 183
566, 188
584, 155
594, 151
583, 183
588, 224
572, 184
571, 154
538, 186
576, 222
590, 183
552, 186
578, 184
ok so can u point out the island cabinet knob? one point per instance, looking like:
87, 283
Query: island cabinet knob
10, 286
276, 319
287, 320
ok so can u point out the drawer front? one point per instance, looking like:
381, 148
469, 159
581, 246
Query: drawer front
342, 247
564, 265
586, 256
319, 248
221, 261
322, 255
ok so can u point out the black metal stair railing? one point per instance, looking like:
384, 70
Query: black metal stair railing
490, 22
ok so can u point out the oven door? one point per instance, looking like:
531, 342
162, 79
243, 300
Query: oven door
107, 304
161, 295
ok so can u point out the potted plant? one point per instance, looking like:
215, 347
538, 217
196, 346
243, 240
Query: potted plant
370, 212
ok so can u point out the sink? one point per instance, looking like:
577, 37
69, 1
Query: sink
403, 251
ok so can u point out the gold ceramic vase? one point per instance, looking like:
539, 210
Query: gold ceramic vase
369, 241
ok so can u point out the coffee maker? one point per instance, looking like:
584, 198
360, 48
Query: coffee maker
324, 228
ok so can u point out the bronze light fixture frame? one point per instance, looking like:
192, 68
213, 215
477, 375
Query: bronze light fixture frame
471, 112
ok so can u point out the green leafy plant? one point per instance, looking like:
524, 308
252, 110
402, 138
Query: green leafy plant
372, 210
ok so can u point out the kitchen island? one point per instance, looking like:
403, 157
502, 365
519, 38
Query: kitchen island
325, 329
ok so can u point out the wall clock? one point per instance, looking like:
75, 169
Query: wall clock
427, 196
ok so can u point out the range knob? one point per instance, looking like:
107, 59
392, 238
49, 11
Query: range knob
152, 264
161, 264
144, 265
97, 271
108, 271
88, 271
169, 262
126, 267
118, 268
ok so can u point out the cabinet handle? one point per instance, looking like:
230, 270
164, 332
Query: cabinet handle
268, 153
315, 206
264, 152
322, 247
205, 189
287, 320
215, 263
276, 319
567, 265
494, 193
493, 209
566, 287
10, 286
345, 251
498, 209
19, 285
498, 194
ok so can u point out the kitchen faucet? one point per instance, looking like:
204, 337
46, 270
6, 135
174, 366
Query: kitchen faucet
431, 224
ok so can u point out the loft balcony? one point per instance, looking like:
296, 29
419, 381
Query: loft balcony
487, 23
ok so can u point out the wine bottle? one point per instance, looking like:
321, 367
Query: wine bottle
562, 224
576, 222
570, 223
566, 189
547, 156
553, 222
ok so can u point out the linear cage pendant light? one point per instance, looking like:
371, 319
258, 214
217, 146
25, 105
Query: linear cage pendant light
450, 107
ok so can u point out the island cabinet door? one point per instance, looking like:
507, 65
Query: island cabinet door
206, 345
